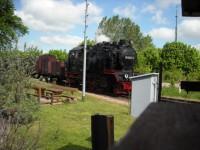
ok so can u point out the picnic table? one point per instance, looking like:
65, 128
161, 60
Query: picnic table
52, 93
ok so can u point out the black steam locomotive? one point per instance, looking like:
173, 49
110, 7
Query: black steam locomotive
108, 67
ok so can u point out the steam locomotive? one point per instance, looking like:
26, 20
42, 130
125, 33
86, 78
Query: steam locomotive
108, 67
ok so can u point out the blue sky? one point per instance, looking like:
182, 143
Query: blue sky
58, 24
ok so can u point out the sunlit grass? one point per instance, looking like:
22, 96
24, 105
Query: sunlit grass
174, 92
68, 126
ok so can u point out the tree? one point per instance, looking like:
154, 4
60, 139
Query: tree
11, 26
117, 28
148, 60
30, 56
89, 43
16, 104
141, 66
181, 56
32, 51
61, 55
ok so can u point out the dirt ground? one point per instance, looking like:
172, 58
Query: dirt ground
118, 100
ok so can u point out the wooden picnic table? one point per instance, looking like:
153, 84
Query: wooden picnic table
52, 93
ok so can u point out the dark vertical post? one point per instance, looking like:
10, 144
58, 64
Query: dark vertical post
160, 82
39, 93
102, 129
52, 95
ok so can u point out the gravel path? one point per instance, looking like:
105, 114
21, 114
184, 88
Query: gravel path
118, 100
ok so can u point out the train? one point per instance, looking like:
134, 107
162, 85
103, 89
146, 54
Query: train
109, 66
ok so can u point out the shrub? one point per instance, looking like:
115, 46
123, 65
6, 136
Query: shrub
15, 85
193, 75
173, 76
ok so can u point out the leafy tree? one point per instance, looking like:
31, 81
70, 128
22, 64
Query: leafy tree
32, 51
141, 66
89, 43
152, 57
173, 75
148, 60
11, 26
14, 84
59, 54
117, 28
193, 75
29, 56
181, 56
15, 79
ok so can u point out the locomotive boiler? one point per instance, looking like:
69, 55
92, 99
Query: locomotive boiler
108, 67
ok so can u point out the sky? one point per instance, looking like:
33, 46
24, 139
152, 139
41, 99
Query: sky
59, 24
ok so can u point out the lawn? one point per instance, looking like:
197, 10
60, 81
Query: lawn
174, 92
67, 126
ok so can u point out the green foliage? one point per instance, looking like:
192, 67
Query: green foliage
193, 75
181, 56
11, 26
14, 136
117, 28
59, 54
148, 60
89, 43
152, 57
29, 56
32, 51
173, 76
141, 66
15, 85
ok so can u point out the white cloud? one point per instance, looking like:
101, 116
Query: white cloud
56, 15
157, 14
100, 37
149, 8
159, 18
167, 3
162, 34
67, 40
157, 9
190, 28
127, 11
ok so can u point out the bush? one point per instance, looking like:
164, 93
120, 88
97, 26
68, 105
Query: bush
15, 85
181, 56
193, 75
173, 76
17, 137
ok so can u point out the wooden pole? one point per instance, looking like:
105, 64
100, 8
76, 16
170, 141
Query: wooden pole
102, 129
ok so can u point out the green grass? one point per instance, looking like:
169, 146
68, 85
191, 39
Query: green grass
174, 92
67, 126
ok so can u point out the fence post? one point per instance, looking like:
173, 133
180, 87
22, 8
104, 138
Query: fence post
102, 129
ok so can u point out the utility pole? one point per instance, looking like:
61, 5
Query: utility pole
176, 27
85, 50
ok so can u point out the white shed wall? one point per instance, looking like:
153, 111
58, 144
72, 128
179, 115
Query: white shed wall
144, 92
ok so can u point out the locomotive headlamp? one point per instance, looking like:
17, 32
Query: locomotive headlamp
126, 76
